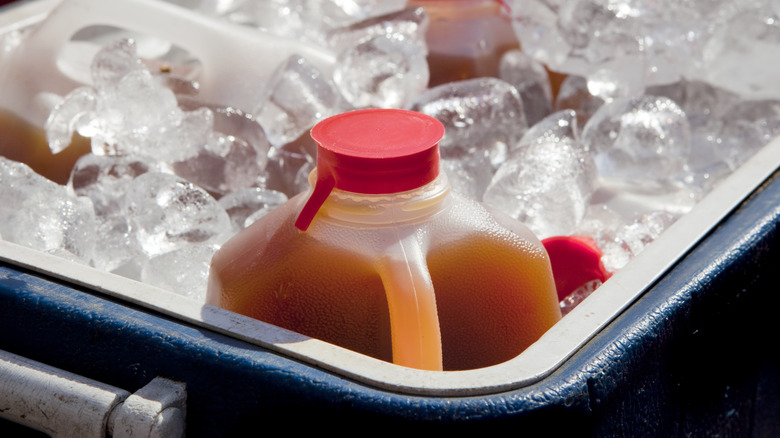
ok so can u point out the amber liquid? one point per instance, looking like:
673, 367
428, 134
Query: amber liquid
494, 298
467, 40
26, 143
296, 283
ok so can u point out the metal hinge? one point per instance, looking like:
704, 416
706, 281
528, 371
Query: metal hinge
64, 404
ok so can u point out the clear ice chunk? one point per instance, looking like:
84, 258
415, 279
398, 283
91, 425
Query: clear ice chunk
118, 245
42, 215
412, 23
583, 36
621, 244
183, 271
470, 178
169, 213
74, 114
574, 94
482, 116
531, 80
747, 126
578, 295
548, 181
722, 42
639, 143
113, 62
235, 167
138, 114
736, 55
386, 71
289, 166
706, 109
133, 113
622, 78
242, 204
700, 101
297, 96
307, 19
234, 156
104, 179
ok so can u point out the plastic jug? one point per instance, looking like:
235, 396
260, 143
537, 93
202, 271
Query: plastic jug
381, 258
466, 38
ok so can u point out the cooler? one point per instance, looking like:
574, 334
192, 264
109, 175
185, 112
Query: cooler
669, 346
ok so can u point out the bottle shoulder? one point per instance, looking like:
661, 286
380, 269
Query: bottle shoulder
454, 219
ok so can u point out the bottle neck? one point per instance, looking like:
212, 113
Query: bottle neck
376, 210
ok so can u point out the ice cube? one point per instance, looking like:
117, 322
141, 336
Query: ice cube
297, 96
622, 78
118, 244
736, 56
233, 157
706, 108
138, 114
575, 94
105, 179
232, 122
482, 116
581, 37
470, 178
639, 143
412, 23
43, 215
242, 204
531, 80
287, 164
130, 112
113, 62
622, 244
74, 114
169, 213
386, 71
235, 168
307, 19
747, 126
548, 181
183, 271
699, 100
578, 295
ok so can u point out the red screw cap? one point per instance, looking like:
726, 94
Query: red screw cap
575, 260
373, 151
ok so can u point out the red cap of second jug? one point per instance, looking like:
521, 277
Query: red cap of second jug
373, 151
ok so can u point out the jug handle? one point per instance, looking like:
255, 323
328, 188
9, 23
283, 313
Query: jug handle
414, 321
